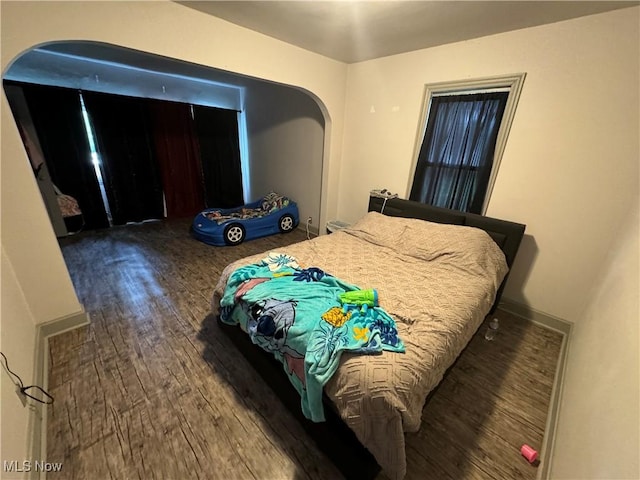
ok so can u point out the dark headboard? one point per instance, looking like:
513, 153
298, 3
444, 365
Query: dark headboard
507, 235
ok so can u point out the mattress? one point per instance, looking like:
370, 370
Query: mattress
437, 281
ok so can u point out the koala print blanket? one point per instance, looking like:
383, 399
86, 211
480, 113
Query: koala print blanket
295, 313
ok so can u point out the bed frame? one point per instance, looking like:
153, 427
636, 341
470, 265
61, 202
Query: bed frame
334, 437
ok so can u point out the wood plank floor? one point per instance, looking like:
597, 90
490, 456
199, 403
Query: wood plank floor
151, 388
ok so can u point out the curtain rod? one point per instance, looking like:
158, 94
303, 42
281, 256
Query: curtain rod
450, 93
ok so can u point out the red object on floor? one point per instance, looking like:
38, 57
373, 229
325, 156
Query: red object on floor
529, 453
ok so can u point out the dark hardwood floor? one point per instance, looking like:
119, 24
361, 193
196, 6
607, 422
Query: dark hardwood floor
151, 390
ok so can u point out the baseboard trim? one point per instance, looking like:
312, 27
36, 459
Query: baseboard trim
565, 328
536, 316
313, 230
549, 439
38, 417
64, 324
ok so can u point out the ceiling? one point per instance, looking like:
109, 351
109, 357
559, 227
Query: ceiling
354, 31
347, 31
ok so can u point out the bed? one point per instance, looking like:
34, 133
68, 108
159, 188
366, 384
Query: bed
436, 279
268, 215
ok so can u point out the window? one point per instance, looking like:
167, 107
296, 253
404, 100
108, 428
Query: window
461, 140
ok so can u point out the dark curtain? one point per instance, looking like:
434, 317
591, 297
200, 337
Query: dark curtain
456, 157
178, 155
220, 155
58, 121
124, 134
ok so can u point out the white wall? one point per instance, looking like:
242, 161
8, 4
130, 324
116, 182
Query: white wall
286, 132
17, 342
570, 166
599, 424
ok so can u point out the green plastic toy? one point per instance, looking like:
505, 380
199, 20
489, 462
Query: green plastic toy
359, 298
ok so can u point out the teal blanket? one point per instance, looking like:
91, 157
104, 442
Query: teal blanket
295, 313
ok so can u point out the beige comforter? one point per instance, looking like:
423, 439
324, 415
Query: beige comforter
437, 281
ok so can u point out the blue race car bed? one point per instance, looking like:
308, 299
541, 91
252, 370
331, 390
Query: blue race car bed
270, 214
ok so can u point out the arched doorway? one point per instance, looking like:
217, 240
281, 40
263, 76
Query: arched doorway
281, 128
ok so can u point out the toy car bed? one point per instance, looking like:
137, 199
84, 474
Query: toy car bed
270, 214
438, 279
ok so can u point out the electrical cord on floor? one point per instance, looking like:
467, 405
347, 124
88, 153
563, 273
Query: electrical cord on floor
308, 235
21, 386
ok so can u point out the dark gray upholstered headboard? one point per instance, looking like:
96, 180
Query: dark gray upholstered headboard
507, 235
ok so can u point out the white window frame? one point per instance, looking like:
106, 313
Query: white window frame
513, 83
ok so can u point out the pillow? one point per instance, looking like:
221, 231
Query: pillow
273, 201
468, 248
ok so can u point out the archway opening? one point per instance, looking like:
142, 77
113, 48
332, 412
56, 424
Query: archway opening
281, 129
